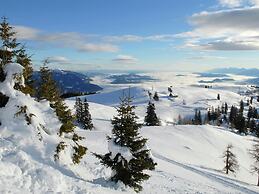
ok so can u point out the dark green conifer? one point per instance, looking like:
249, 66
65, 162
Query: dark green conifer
151, 118
9, 46
48, 90
126, 135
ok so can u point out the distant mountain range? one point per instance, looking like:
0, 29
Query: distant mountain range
217, 80
237, 71
71, 82
129, 78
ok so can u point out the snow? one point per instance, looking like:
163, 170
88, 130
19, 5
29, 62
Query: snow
115, 149
189, 158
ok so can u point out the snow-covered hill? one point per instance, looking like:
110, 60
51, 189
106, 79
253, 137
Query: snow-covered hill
189, 157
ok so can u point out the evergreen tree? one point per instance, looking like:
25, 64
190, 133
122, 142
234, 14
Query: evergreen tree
254, 152
156, 97
252, 125
230, 160
9, 46
226, 108
126, 136
233, 115
86, 118
240, 123
151, 118
25, 60
241, 109
197, 118
79, 109
218, 97
48, 90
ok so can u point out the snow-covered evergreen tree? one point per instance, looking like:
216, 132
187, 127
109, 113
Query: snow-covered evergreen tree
128, 155
48, 90
151, 118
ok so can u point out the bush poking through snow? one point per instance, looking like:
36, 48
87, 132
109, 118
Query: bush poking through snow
128, 156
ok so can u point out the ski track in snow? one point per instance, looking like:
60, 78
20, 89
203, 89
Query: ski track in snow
208, 175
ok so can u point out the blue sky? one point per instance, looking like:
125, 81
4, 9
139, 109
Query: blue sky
138, 34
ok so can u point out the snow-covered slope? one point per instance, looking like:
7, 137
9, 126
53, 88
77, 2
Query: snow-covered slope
189, 157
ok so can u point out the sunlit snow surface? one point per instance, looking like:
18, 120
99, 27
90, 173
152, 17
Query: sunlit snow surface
189, 157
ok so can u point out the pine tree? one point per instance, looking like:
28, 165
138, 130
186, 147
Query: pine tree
230, 160
25, 60
240, 123
241, 109
47, 87
197, 118
156, 97
86, 118
48, 90
79, 109
9, 46
218, 97
151, 118
126, 136
226, 108
254, 152
233, 115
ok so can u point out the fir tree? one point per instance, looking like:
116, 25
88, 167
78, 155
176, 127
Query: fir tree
233, 115
241, 109
79, 109
197, 118
9, 46
151, 118
226, 108
126, 135
240, 123
254, 152
25, 60
218, 97
230, 160
86, 118
156, 97
48, 90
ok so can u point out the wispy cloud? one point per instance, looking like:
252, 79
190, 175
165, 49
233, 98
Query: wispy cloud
125, 59
80, 42
136, 38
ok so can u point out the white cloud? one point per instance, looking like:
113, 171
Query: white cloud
234, 29
80, 42
231, 3
125, 59
58, 59
238, 3
135, 38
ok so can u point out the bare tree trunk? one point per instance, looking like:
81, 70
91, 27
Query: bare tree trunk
258, 180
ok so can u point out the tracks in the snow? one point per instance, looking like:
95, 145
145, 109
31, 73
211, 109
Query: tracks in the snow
214, 177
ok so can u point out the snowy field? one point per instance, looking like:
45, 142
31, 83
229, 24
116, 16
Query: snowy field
189, 157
